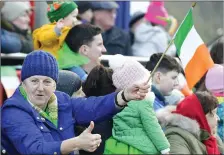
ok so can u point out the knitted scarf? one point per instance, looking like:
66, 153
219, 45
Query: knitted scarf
51, 111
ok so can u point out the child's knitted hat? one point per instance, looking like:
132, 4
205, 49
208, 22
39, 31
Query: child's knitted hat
58, 10
127, 72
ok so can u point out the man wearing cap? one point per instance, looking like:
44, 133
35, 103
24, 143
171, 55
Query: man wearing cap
115, 40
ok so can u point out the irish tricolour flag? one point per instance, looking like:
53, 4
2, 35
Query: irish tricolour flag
192, 51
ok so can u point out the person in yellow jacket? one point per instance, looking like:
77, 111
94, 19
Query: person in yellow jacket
50, 37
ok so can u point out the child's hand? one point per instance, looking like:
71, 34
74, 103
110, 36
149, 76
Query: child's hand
60, 24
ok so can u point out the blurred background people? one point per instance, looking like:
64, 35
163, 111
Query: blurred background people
217, 52
136, 19
15, 28
150, 35
85, 14
116, 40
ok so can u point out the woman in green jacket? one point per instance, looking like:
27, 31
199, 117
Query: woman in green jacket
136, 129
192, 127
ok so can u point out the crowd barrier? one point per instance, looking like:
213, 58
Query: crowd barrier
17, 59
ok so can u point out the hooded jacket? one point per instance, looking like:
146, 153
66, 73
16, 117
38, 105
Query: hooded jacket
46, 38
187, 129
150, 39
138, 127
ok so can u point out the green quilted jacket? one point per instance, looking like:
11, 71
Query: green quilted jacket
138, 127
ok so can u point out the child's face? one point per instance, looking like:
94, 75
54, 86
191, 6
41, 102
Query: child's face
71, 19
166, 82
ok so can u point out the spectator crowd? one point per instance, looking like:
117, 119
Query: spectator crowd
69, 103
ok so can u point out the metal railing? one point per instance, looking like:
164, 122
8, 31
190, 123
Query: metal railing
17, 59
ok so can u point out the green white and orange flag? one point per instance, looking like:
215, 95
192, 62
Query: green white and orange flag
192, 51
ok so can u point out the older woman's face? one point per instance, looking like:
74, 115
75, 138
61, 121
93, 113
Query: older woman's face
39, 89
22, 21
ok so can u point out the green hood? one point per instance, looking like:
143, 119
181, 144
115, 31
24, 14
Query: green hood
138, 127
67, 58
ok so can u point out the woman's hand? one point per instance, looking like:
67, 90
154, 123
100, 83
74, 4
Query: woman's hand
134, 92
137, 92
88, 141
85, 141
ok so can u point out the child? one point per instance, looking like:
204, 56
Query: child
136, 129
164, 80
214, 83
98, 83
50, 37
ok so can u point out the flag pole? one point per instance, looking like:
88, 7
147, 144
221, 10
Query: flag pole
193, 4
171, 42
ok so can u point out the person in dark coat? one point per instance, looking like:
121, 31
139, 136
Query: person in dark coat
115, 39
99, 82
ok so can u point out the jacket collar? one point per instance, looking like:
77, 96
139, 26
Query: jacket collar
17, 100
20, 102
110, 35
158, 94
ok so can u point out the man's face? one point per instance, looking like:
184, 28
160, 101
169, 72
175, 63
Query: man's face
106, 18
166, 82
95, 50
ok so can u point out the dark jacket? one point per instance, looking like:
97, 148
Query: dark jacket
24, 131
117, 41
105, 130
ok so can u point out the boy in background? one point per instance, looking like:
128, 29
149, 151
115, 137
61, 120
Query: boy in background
164, 80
